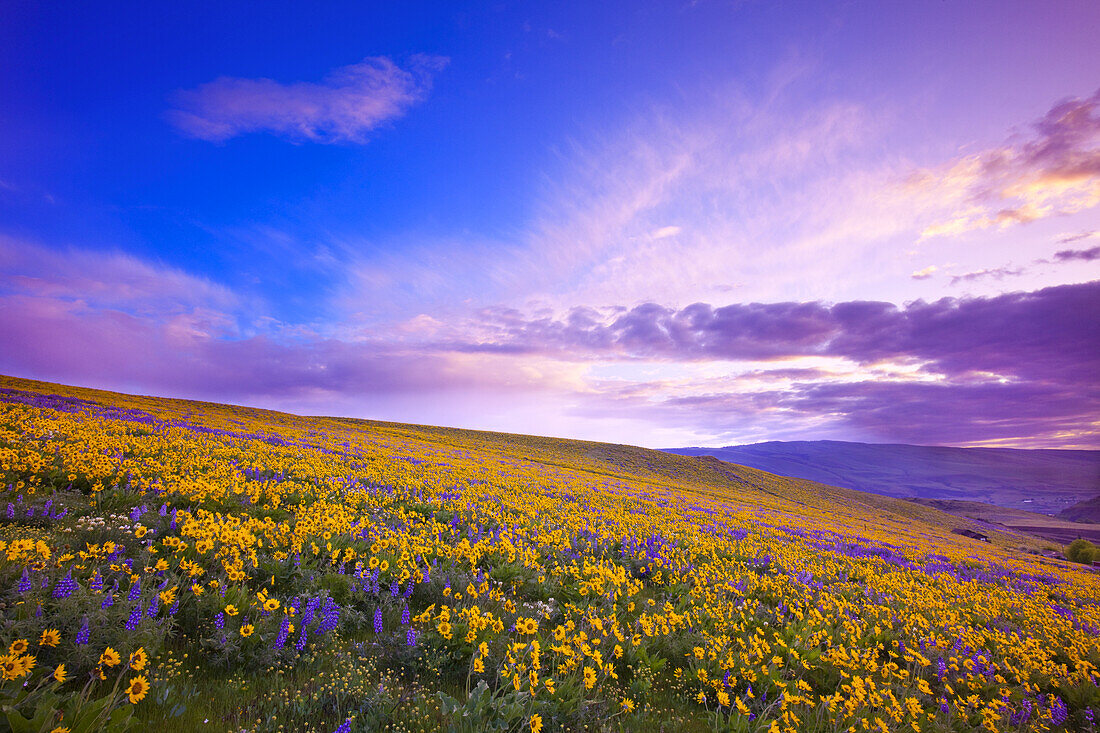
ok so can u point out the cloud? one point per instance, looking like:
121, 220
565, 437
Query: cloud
1084, 255
669, 231
346, 105
1053, 172
197, 354
951, 413
113, 320
925, 273
997, 273
1014, 367
1070, 238
1030, 335
105, 279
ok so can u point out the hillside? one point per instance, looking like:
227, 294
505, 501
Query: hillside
265, 571
1042, 481
1083, 511
1055, 529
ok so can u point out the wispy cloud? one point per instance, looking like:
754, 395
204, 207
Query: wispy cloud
1054, 171
344, 107
997, 273
1083, 255
105, 279
1070, 238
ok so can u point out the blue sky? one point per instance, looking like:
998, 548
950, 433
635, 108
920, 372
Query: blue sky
502, 215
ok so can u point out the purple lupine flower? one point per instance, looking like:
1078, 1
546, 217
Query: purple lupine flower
378, 620
65, 586
135, 618
11, 510
219, 621
301, 643
311, 608
426, 576
345, 727
154, 606
405, 617
1058, 712
1022, 715
410, 637
395, 589
284, 632
108, 601
97, 582
25, 583
164, 510
83, 634
135, 591
409, 589
38, 611
330, 617
175, 607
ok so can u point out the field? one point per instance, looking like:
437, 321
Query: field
196, 566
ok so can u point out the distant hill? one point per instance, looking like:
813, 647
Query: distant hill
1043, 481
1082, 511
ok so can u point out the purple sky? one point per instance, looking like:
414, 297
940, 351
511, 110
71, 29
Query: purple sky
661, 224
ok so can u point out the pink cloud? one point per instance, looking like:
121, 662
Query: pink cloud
104, 278
1054, 172
346, 105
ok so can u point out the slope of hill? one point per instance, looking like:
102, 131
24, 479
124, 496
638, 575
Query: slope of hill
1042, 481
1083, 511
1055, 529
212, 567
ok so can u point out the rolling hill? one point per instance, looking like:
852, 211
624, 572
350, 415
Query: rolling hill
194, 565
1041, 481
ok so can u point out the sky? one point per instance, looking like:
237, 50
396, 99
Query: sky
655, 223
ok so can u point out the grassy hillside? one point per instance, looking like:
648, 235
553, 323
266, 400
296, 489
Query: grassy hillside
311, 573
1043, 481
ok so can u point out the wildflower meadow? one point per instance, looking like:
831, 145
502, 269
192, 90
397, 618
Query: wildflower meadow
167, 564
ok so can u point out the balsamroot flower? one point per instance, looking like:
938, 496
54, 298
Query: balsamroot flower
109, 657
138, 689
